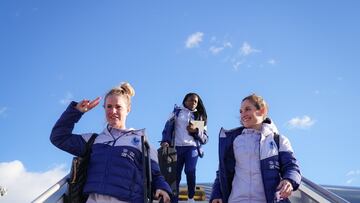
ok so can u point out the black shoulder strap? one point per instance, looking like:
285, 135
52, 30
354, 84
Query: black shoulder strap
277, 140
90, 143
172, 144
146, 161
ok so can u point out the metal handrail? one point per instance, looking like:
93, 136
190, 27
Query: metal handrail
324, 193
51, 191
308, 187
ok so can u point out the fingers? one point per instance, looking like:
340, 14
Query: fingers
280, 185
188, 129
286, 192
165, 144
285, 188
163, 194
157, 193
86, 105
191, 128
94, 103
81, 106
166, 198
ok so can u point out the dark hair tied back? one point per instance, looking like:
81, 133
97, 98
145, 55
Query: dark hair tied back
200, 114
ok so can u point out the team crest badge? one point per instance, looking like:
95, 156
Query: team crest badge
135, 141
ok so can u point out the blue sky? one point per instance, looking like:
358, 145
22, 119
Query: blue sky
301, 56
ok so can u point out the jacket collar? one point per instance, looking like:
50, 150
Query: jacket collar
267, 128
182, 107
109, 131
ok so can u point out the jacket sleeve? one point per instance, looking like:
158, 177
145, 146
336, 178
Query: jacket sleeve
290, 169
216, 191
167, 133
62, 136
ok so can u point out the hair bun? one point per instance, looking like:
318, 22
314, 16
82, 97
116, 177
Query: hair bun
127, 88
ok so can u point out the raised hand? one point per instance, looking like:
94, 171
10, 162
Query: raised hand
86, 105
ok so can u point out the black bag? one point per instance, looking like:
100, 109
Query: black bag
167, 162
78, 174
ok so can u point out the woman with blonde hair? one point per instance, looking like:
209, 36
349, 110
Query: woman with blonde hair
115, 171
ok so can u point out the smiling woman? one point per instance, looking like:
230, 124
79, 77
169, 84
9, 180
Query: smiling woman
118, 104
255, 161
116, 155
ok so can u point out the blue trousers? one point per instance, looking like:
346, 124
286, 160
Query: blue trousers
187, 156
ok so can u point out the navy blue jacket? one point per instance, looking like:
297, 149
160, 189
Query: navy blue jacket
115, 167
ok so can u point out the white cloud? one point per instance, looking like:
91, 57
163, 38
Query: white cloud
67, 99
217, 49
351, 180
219, 46
194, 40
272, 61
353, 172
237, 64
302, 123
352, 176
25, 186
241, 57
227, 44
246, 49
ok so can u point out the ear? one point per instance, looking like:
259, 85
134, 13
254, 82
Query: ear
129, 108
261, 112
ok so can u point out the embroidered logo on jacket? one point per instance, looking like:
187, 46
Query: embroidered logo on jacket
272, 145
128, 154
135, 141
274, 165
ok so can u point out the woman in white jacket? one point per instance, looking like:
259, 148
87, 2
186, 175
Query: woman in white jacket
256, 164
180, 131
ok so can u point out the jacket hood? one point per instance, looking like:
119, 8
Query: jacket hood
268, 127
